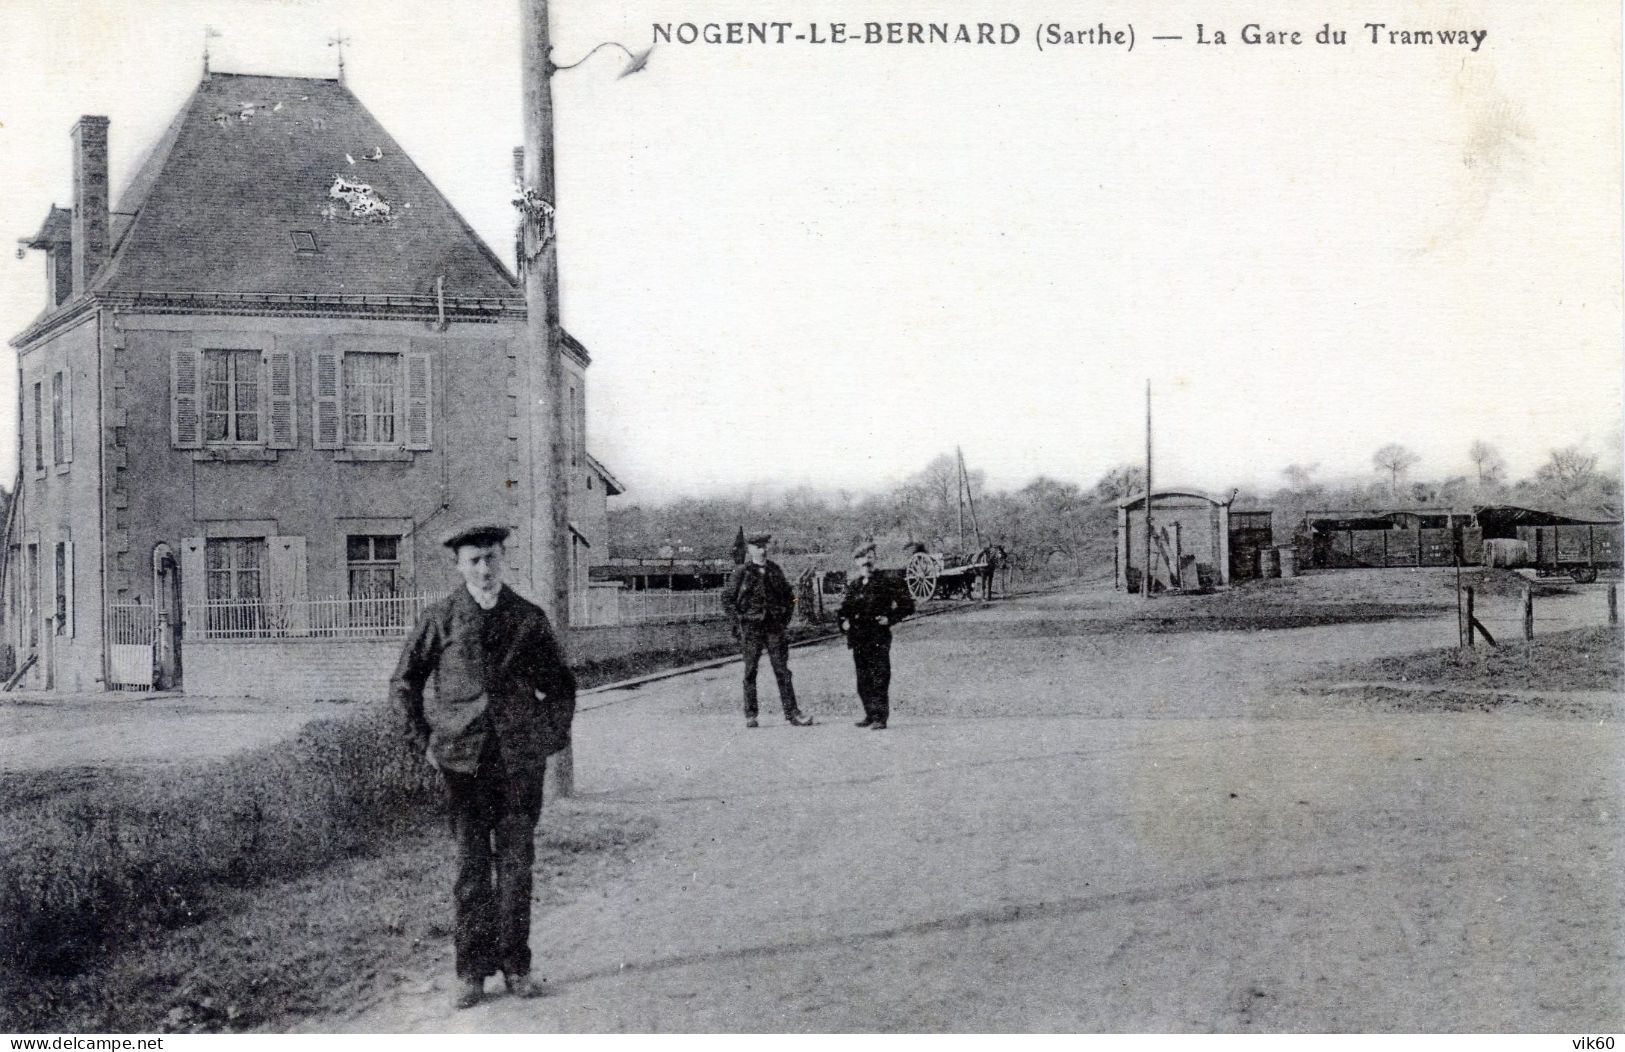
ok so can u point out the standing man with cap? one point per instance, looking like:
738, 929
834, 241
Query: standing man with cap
761, 601
502, 702
871, 606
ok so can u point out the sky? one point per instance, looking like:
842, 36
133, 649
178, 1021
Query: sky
826, 265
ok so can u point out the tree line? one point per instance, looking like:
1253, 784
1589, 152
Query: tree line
1052, 525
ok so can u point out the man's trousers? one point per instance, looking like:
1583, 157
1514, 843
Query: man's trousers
493, 820
872, 661
757, 639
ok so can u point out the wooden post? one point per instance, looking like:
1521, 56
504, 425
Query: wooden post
1145, 586
1528, 612
1613, 604
1470, 620
544, 367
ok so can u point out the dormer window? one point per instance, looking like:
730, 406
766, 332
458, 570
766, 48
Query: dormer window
304, 243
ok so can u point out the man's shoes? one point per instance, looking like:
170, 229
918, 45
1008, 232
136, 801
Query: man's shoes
867, 721
798, 720
522, 985
469, 993
750, 721
878, 725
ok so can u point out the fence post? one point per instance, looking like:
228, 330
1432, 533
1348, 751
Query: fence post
1613, 604
1470, 621
1528, 612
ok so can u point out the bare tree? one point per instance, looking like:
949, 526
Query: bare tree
1395, 460
1121, 481
1301, 477
1489, 462
1568, 473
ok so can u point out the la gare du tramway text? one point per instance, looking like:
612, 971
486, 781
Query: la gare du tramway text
1047, 34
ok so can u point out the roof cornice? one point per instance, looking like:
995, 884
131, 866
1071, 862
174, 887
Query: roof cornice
59, 318
266, 304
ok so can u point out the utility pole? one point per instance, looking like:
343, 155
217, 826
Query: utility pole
1145, 580
970, 498
959, 494
549, 509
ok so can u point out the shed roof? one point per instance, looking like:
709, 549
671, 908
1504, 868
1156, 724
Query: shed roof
1137, 500
1516, 514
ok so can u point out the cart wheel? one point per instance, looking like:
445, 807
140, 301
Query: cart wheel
921, 576
1584, 574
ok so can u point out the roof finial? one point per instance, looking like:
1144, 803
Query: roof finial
338, 40
209, 33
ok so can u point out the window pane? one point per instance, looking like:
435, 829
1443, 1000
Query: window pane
358, 549
385, 548
370, 382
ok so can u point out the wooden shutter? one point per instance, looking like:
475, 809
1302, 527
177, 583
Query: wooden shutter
327, 387
185, 398
56, 586
286, 589
419, 401
67, 416
283, 432
194, 587
67, 586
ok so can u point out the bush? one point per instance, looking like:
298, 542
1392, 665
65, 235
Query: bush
85, 869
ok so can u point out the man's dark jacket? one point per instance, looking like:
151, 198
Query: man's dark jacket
867, 601
488, 668
760, 596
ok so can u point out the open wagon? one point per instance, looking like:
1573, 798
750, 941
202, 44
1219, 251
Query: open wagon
933, 575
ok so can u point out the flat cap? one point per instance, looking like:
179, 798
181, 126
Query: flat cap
759, 539
866, 548
477, 532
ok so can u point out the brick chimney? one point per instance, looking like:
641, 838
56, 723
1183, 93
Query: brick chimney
90, 203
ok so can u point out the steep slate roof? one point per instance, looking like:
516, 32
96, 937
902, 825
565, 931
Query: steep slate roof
57, 228
250, 160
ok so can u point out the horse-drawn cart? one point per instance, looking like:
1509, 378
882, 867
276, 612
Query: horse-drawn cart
930, 575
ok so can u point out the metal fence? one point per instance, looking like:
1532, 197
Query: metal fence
381, 617
647, 608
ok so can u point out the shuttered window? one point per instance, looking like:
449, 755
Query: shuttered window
373, 400
39, 428
229, 389
234, 577
56, 419
33, 594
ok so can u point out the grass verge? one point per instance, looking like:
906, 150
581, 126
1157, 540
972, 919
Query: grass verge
1579, 659
1576, 674
326, 943
97, 872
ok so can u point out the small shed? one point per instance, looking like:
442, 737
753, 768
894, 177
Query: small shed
1190, 540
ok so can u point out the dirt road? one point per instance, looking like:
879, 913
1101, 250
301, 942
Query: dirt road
1074, 828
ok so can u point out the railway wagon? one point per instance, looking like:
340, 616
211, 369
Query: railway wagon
1580, 552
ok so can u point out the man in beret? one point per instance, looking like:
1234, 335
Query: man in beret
502, 702
761, 602
872, 604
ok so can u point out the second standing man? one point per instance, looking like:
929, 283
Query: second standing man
761, 602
